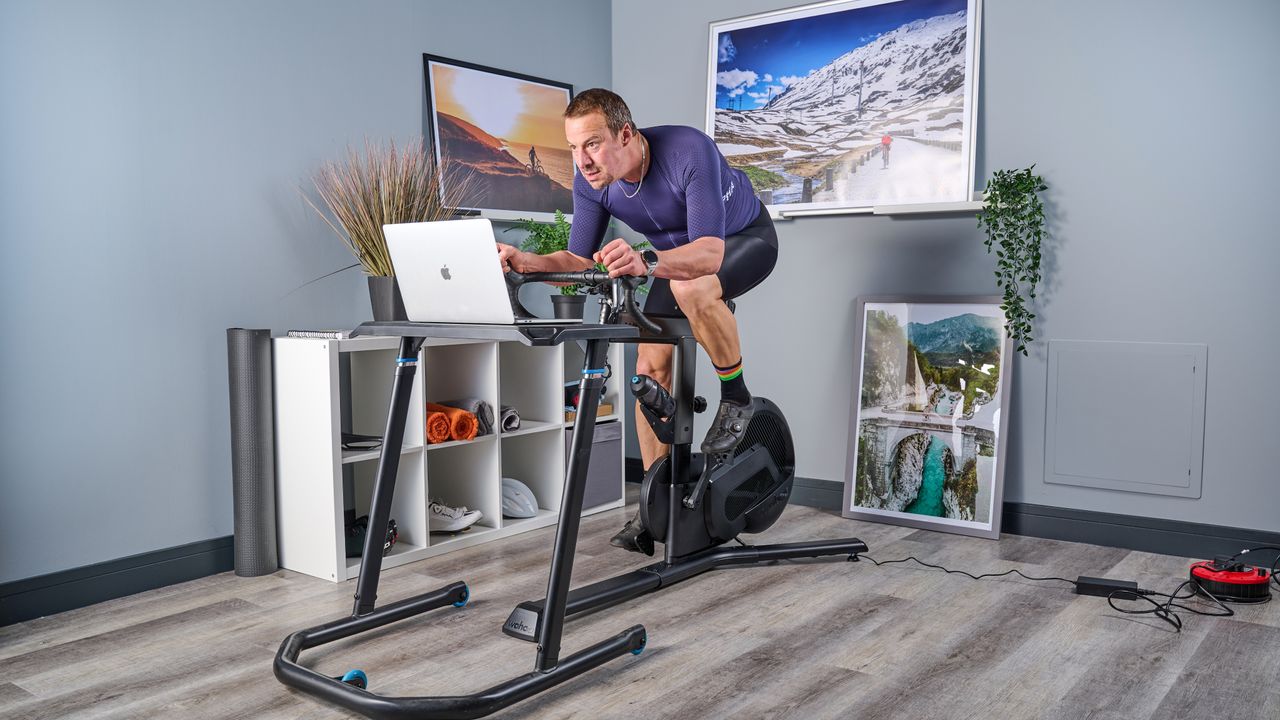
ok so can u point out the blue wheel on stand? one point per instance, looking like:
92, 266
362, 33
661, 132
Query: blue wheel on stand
356, 678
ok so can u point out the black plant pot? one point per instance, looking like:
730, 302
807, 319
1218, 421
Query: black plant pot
568, 307
384, 296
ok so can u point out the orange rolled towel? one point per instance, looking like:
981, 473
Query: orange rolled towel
437, 427
462, 424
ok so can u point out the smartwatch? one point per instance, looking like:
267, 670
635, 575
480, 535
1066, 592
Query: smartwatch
651, 262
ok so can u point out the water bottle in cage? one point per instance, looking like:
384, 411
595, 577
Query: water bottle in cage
653, 396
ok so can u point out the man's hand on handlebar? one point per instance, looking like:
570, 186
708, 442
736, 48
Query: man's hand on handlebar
619, 258
510, 257
619, 296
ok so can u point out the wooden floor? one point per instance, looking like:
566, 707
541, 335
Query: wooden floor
814, 639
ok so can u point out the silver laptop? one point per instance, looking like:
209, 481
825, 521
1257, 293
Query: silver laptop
448, 272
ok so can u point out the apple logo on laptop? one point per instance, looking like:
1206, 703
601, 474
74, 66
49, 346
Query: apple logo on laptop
444, 273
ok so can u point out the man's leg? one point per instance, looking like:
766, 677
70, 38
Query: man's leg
654, 360
716, 330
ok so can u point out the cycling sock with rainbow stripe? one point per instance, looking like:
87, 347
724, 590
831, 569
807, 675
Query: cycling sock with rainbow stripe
732, 385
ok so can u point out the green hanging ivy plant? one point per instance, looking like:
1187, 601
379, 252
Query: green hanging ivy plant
1013, 218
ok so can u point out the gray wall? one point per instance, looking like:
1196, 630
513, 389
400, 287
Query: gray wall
1152, 122
152, 155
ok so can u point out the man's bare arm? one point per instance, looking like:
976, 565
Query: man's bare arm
700, 257
512, 258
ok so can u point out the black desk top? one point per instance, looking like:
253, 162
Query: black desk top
527, 334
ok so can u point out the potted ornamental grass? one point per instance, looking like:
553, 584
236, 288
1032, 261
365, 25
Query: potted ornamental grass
381, 185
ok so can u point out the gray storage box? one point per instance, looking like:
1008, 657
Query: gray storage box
604, 475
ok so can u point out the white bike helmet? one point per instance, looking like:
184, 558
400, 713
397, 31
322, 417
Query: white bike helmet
517, 499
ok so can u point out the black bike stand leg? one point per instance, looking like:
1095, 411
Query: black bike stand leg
385, 484
682, 384
584, 428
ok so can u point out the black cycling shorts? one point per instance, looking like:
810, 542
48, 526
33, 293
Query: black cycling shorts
749, 257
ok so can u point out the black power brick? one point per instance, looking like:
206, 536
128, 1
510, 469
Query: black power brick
1103, 587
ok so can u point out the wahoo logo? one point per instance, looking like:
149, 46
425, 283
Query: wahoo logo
522, 623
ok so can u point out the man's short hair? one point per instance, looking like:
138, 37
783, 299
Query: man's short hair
607, 103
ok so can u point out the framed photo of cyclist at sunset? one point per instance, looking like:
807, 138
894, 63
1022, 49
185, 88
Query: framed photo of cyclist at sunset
498, 138
930, 414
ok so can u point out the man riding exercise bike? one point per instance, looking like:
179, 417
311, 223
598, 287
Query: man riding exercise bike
713, 242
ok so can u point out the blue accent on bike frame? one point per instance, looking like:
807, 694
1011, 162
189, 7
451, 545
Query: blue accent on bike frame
466, 595
406, 360
598, 371
353, 674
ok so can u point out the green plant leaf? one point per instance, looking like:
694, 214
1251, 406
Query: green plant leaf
1013, 220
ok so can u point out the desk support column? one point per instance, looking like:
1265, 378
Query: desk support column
385, 484
551, 628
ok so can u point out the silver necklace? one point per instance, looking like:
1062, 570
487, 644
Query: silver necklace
643, 156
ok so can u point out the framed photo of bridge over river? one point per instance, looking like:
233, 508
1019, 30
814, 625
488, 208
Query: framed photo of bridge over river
846, 105
498, 138
929, 421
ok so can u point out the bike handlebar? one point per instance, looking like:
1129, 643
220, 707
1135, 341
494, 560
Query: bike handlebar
590, 276
623, 289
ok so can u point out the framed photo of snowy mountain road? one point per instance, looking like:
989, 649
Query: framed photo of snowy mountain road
849, 105
929, 422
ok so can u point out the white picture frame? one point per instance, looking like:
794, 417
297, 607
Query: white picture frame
803, 100
929, 413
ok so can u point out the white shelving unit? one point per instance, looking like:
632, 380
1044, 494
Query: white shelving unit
311, 402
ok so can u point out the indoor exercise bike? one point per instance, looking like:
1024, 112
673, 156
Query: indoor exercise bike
691, 503
744, 493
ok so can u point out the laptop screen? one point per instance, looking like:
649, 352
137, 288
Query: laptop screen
448, 272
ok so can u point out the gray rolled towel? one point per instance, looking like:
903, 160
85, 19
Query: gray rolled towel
510, 419
481, 409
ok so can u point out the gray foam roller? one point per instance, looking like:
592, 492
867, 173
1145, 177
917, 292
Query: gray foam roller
253, 457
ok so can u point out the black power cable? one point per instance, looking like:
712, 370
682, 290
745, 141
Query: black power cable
1166, 610
855, 557
1274, 565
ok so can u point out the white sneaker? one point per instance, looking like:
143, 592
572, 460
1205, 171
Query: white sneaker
443, 518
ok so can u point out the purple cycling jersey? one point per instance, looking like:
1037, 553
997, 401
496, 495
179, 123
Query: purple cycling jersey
688, 192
